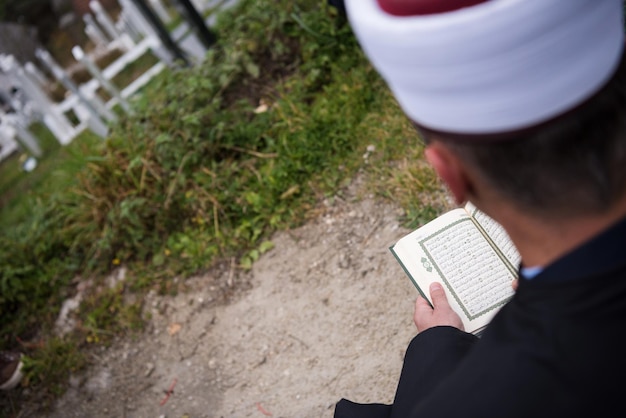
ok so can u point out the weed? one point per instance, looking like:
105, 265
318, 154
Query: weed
49, 366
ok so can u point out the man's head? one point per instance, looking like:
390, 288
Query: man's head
574, 164
528, 96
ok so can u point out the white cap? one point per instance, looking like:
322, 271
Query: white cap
493, 67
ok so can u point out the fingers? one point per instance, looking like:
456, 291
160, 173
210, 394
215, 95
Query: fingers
422, 305
514, 284
440, 313
423, 311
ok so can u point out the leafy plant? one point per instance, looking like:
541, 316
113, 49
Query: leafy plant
50, 365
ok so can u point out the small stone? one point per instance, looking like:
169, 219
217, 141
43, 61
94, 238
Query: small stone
149, 369
75, 381
344, 262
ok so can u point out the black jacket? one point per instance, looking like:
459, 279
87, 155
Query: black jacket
555, 349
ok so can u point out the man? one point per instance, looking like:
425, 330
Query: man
522, 104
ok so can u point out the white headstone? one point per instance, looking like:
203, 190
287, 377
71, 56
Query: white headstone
104, 19
104, 82
93, 31
54, 120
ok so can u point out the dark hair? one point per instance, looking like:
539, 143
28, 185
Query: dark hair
571, 165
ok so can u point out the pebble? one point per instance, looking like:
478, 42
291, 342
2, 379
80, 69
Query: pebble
149, 369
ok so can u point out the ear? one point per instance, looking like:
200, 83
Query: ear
451, 170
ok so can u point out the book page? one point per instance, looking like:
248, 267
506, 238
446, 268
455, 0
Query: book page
497, 234
453, 251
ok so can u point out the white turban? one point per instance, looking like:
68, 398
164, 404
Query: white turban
494, 67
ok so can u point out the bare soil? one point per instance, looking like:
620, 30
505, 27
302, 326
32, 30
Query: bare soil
326, 314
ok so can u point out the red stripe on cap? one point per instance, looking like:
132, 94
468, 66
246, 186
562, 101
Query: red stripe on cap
424, 7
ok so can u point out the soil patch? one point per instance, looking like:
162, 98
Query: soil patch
326, 314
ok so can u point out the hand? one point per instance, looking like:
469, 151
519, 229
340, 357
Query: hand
440, 314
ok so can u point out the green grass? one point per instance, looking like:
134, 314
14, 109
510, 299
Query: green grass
197, 176
55, 168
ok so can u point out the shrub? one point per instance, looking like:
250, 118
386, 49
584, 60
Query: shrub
199, 172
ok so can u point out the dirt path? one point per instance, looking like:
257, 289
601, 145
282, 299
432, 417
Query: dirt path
327, 314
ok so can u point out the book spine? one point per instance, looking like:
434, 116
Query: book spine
419, 289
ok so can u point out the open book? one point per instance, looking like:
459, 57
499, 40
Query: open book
470, 254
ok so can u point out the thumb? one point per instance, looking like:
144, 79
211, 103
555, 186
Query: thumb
438, 296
